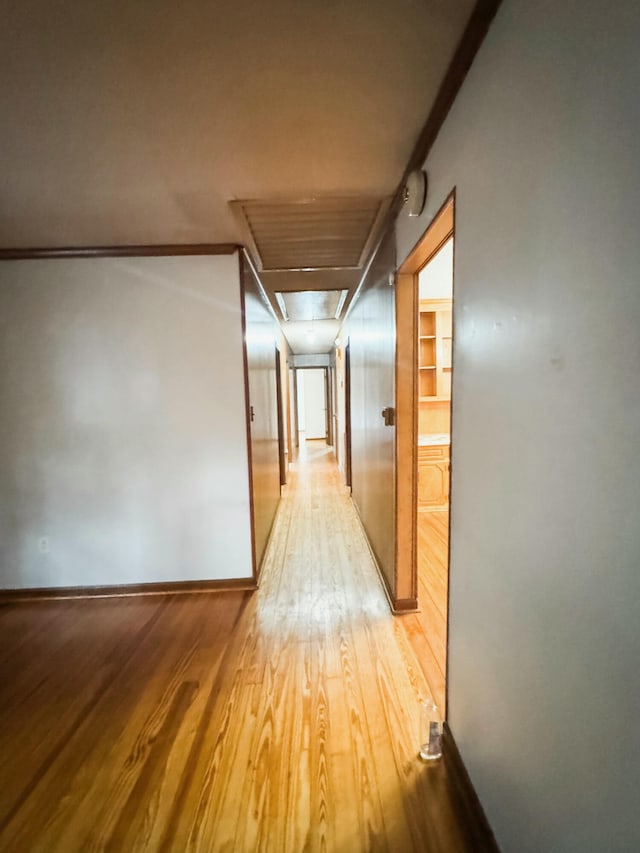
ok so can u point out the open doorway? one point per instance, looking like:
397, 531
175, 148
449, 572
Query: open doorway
424, 310
312, 400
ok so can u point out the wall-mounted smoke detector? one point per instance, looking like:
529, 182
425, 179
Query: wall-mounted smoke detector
415, 192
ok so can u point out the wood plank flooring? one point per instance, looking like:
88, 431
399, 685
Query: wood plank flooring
281, 720
427, 629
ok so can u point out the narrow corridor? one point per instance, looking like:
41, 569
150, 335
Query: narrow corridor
280, 720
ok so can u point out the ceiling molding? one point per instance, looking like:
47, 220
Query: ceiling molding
472, 38
474, 34
246, 258
119, 251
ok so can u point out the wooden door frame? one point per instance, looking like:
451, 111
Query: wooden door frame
327, 401
347, 414
294, 403
333, 432
440, 229
328, 409
281, 439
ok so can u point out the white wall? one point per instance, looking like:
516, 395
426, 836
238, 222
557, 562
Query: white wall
542, 145
123, 436
301, 402
435, 280
315, 405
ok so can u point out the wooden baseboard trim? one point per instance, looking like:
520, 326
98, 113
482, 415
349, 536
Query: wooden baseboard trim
393, 602
405, 605
8, 596
267, 547
383, 578
481, 837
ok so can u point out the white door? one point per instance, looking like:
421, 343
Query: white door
315, 404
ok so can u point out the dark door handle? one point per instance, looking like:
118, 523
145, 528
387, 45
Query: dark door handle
389, 416
251, 414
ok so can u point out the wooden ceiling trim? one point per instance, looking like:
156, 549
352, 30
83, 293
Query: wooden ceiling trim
167, 250
474, 34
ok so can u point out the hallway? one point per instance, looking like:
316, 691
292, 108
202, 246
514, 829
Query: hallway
280, 720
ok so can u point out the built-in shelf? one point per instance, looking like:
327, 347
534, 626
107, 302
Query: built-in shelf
434, 350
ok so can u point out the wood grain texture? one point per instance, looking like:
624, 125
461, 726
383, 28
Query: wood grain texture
427, 629
434, 358
406, 388
121, 590
280, 720
433, 478
371, 330
260, 333
411, 323
434, 416
439, 231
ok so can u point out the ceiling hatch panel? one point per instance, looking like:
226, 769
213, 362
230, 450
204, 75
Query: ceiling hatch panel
311, 304
311, 234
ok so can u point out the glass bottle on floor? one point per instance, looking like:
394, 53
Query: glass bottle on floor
430, 731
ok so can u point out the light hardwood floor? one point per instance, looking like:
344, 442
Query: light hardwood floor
283, 720
427, 629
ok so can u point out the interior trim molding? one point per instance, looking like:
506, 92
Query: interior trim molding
470, 42
9, 596
440, 229
246, 255
406, 437
405, 605
267, 547
396, 605
162, 250
474, 34
248, 278
483, 839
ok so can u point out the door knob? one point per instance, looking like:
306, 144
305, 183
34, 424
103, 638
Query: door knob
389, 416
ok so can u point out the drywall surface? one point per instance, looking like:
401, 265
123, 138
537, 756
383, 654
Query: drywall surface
123, 453
315, 405
436, 278
542, 145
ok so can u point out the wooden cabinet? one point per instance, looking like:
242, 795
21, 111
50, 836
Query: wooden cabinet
433, 477
434, 349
